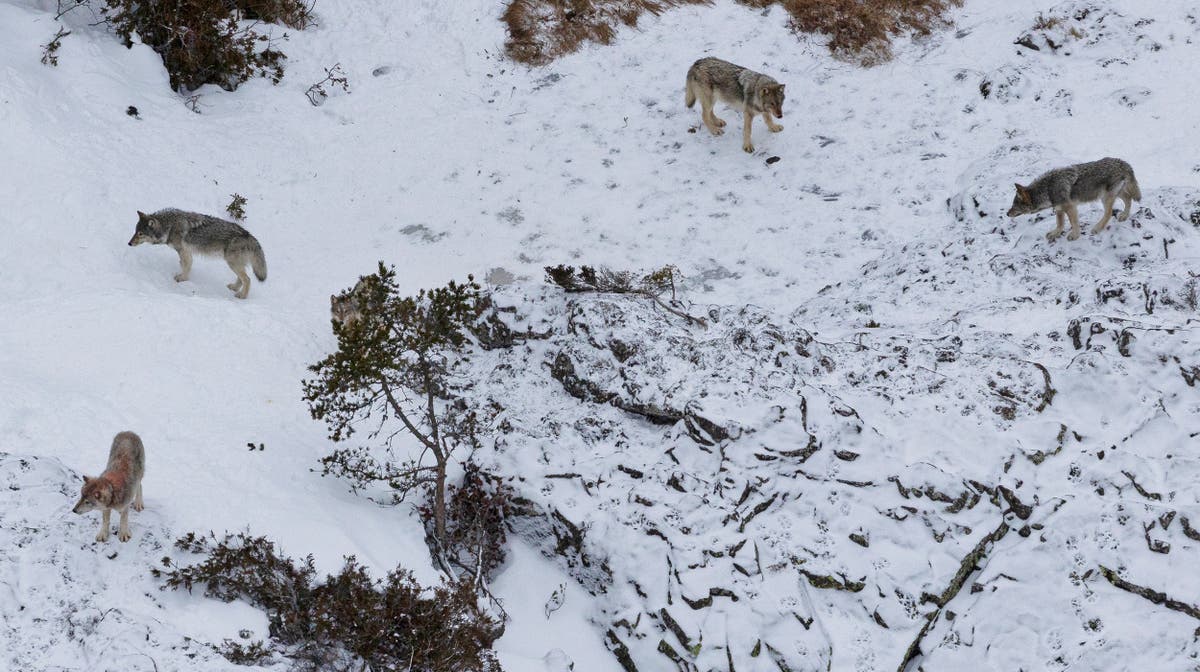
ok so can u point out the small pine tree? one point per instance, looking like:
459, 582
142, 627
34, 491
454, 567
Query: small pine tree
396, 363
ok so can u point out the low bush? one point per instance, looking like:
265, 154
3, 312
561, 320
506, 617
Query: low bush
346, 622
540, 31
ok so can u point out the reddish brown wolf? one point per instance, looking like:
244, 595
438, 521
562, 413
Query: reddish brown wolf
119, 487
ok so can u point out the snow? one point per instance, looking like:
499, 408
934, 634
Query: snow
886, 209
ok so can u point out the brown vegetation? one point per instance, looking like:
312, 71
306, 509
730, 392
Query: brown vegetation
859, 30
348, 622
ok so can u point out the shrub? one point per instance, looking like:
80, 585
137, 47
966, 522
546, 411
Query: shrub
50, 49
605, 281
347, 622
206, 41
475, 524
862, 30
541, 30
237, 207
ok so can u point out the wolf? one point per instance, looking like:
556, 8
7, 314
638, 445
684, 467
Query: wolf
119, 487
344, 307
192, 232
1064, 188
347, 308
752, 92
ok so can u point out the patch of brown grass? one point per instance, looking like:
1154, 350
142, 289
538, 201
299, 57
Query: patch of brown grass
862, 30
858, 30
540, 31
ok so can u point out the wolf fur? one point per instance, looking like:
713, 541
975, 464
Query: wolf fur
119, 487
1064, 188
711, 79
344, 307
193, 233
347, 308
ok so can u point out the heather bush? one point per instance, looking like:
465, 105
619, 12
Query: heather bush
347, 622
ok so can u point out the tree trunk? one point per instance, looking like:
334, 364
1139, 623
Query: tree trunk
439, 502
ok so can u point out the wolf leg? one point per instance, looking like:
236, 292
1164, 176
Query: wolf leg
1128, 204
715, 125
123, 533
1108, 201
185, 265
138, 505
1059, 219
242, 282
747, 120
771, 125
1073, 215
105, 521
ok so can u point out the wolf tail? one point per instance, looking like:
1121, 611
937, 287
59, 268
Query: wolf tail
258, 262
689, 98
1132, 188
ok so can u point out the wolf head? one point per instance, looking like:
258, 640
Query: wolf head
96, 494
771, 96
344, 309
1023, 202
148, 230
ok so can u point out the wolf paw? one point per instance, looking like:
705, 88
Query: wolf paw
1123, 216
748, 148
102, 535
234, 286
180, 277
775, 129
717, 130
1074, 235
720, 122
241, 295
138, 506
1053, 235
124, 535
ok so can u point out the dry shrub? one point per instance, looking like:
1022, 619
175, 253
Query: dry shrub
540, 31
348, 622
207, 41
858, 30
862, 30
291, 13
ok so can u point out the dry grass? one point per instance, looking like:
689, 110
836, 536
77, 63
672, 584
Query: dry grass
858, 30
540, 31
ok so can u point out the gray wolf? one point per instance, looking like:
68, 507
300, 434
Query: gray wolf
344, 307
1064, 188
753, 93
119, 487
347, 308
191, 232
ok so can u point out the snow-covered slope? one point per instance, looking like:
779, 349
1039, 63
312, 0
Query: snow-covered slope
865, 290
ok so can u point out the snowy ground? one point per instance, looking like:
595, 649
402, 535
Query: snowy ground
885, 208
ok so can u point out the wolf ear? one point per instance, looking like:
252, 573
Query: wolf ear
141, 215
87, 479
1022, 192
781, 87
